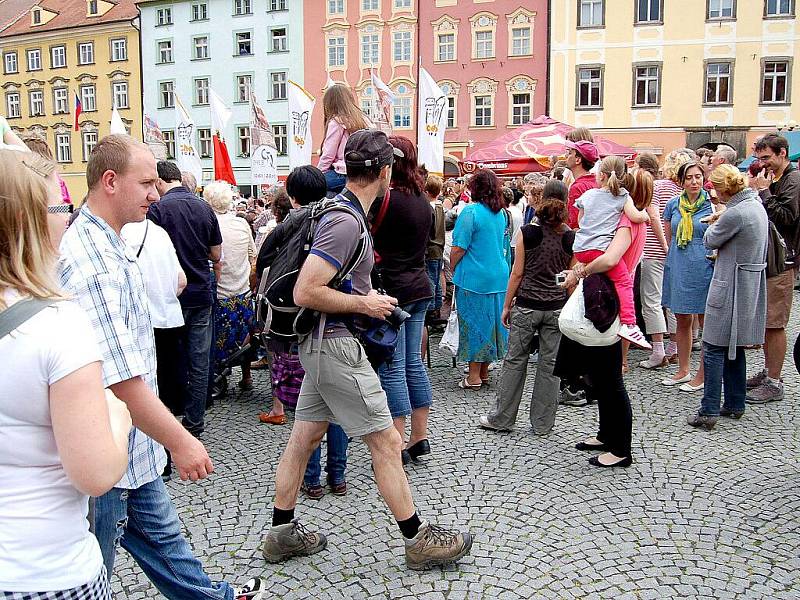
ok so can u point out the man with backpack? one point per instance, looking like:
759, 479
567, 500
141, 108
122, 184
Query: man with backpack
340, 384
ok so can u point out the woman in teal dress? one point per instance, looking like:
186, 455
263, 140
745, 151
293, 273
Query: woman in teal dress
480, 260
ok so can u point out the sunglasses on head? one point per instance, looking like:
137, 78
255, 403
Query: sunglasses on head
60, 209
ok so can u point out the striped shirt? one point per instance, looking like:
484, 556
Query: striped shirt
107, 283
663, 191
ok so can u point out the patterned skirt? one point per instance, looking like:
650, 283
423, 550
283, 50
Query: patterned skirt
232, 319
98, 589
481, 335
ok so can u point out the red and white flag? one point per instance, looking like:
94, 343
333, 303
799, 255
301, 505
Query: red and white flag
220, 115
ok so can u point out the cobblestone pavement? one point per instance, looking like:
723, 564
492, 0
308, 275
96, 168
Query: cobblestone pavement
698, 515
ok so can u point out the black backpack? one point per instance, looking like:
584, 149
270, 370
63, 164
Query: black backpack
285, 321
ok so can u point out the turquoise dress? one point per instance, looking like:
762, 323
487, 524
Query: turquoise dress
481, 278
687, 271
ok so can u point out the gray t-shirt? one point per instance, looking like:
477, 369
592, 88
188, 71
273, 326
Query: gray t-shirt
601, 214
335, 240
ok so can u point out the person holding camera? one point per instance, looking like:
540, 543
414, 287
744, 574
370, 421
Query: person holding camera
401, 238
340, 384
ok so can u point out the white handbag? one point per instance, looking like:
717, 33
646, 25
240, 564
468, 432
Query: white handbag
449, 341
573, 323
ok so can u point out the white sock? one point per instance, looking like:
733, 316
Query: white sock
775, 382
658, 349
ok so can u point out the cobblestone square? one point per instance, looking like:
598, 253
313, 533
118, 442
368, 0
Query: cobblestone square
698, 515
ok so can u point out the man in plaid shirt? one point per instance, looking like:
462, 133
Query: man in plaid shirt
106, 281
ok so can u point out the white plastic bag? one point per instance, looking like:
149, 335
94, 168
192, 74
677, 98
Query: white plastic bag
573, 323
449, 341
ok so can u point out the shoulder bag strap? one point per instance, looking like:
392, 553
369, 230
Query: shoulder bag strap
144, 237
381, 213
18, 313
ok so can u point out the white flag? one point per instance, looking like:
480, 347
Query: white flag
264, 155
301, 106
431, 122
186, 155
117, 126
383, 99
220, 114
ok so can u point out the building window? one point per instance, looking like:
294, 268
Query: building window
276, 5
36, 99
58, 57
37, 16
89, 142
718, 82
243, 86
34, 60
279, 133
370, 5
336, 51
86, 53
243, 134
402, 3
451, 112
778, 8
402, 46
243, 46
647, 85
201, 90
119, 94
63, 148
164, 16
484, 44
169, 141
775, 81
204, 142
60, 101
591, 13
401, 116
119, 49
166, 90
88, 98
720, 9
93, 8
483, 111
200, 11
200, 44
590, 87
165, 52
370, 48
279, 40
13, 105
446, 47
368, 102
242, 7
521, 41
520, 108
278, 85
335, 7
10, 64
649, 11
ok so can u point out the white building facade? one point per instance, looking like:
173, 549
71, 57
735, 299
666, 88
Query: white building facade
233, 46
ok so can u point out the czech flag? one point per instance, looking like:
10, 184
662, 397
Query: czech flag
78, 110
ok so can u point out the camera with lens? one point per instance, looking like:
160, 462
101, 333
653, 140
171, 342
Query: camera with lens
397, 317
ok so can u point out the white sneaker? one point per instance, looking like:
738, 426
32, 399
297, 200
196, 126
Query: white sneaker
255, 589
634, 335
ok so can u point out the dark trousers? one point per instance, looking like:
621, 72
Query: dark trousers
171, 372
198, 335
613, 403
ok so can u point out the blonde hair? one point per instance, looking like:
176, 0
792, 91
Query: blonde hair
639, 184
219, 196
672, 163
433, 185
728, 179
340, 104
614, 168
27, 257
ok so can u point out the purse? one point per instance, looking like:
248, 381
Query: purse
573, 323
449, 341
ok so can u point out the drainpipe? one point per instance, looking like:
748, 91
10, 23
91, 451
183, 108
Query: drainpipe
548, 65
141, 64
419, 65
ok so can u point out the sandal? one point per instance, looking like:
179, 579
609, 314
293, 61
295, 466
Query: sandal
464, 384
272, 419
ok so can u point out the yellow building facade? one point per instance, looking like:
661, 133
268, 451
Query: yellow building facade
662, 74
66, 48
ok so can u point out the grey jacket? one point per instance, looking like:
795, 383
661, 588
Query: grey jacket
736, 308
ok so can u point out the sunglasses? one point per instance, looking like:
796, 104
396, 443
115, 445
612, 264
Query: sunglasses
60, 209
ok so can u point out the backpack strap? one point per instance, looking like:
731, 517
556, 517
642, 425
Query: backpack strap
18, 313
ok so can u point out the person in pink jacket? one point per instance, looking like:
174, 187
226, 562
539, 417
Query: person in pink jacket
342, 117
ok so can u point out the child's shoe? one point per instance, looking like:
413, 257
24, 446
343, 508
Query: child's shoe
634, 335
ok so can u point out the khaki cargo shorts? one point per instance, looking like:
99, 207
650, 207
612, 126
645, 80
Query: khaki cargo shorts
341, 387
780, 291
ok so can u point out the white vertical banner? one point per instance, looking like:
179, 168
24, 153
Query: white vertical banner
263, 153
299, 142
186, 156
383, 99
153, 136
431, 122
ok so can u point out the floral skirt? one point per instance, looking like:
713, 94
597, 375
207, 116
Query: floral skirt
232, 319
481, 335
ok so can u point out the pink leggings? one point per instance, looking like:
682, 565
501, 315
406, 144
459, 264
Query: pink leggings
623, 283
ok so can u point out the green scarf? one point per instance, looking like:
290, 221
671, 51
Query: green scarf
685, 230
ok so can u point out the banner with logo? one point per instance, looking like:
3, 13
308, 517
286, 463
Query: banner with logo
383, 99
153, 136
186, 156
263, 151
431, 122
301, 106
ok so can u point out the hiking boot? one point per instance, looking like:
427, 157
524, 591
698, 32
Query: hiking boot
255, 589
315, 492
756, 380
766, 392
435, 546
704, 421
285, 541
576, 398
731, 414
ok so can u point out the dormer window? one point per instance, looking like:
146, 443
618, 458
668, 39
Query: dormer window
92, 8
37, 16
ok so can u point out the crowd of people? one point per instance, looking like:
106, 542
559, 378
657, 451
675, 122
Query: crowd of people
124, 325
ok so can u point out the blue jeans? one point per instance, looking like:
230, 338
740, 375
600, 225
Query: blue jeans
198, 332
719, 371
434, 267
335, 181
145, 522
405, 379
337, 458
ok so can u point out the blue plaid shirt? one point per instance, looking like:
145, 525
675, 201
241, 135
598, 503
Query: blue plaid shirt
107, 283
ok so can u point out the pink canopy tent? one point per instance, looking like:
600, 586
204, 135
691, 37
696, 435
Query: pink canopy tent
529, 148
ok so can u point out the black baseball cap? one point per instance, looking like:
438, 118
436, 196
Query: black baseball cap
369, 148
